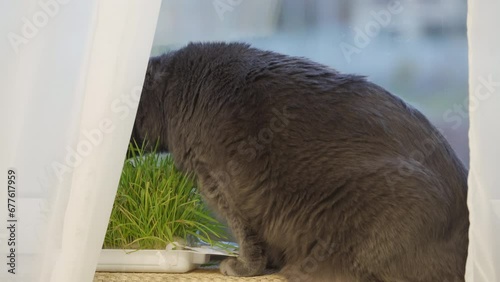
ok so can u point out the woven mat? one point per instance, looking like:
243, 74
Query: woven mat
197, 275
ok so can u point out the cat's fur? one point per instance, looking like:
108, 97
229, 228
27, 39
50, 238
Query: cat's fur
323, 174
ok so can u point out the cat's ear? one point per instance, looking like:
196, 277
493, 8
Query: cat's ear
157, 71
153, 63
150, 80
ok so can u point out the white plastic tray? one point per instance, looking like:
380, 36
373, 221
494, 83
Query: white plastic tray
150, 260
179, 260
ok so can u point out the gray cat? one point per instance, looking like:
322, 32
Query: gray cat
324, 175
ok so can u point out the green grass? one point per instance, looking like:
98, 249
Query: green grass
156, 204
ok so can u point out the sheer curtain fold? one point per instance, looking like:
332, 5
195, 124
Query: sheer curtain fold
70, 82
483, 264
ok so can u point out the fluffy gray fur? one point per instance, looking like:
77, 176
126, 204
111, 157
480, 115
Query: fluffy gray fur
324, 175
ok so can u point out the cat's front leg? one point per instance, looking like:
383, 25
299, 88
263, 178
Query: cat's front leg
252, 259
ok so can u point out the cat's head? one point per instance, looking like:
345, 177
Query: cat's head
150, 122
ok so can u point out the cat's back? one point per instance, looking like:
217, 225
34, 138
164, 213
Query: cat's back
320, 100
242, 89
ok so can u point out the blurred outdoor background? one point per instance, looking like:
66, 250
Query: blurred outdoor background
415, 49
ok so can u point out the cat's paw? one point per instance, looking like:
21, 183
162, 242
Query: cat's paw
236, 267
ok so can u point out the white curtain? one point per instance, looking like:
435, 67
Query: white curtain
70, 76
483, 263
70, 79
